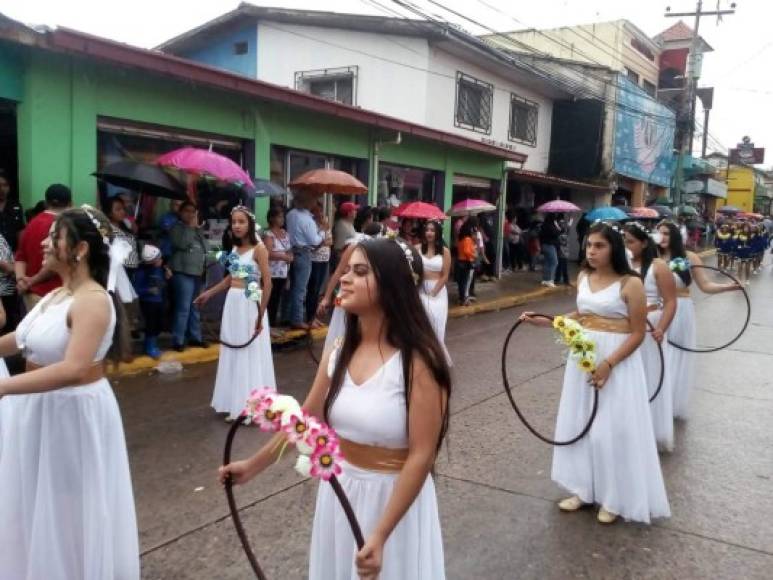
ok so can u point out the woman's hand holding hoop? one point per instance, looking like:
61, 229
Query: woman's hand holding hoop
369, 559
535, 319
600, 376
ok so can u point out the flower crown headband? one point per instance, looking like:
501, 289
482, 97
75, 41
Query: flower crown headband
407, 252
244, 209
88, 210
611, 225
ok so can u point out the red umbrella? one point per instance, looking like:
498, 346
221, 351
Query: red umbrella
204, 162
645, 213
420, 210
329, 181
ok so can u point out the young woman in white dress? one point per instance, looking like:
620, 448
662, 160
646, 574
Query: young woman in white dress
66, 505
660, 290
384, 388
337, 324
437, 266
239, 370
682, 330
616, 464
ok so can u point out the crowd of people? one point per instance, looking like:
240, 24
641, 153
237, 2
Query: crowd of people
387, 332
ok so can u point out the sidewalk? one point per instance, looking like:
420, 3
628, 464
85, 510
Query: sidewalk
512, 289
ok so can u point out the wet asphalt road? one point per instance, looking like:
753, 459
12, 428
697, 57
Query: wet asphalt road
496, 499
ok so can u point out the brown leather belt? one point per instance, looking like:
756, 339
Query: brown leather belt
373, 458
95, 373
683, 292
603, 324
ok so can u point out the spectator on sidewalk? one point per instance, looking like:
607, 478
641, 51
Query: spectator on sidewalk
150, 283
32, 279
533, 246
165, 224
189, 252
280, 256
11, 214
320, 263
562, 269
514, 239
343, 229
582, 232
304, 238
548, 239
466, 257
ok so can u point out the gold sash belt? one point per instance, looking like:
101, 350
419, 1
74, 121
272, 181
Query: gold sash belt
373, 458
683, 292
95, 373
594, 322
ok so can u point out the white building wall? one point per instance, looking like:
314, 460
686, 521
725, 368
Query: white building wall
441, 101
391, 76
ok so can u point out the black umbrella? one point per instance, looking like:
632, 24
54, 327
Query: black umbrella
143, 178
264, 188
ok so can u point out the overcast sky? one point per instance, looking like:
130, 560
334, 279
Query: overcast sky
739, 68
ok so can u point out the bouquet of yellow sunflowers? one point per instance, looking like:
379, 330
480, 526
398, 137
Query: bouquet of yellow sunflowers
581, 348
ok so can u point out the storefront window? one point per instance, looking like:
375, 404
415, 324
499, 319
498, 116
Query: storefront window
398, 184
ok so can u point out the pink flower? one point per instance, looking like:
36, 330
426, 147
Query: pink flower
297, 426
321, 436
256, 405
326, 462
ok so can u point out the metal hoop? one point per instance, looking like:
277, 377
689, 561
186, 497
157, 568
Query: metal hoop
514, 405
745, 324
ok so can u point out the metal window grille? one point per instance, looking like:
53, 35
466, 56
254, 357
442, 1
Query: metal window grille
474, 100
524, 116
335, 84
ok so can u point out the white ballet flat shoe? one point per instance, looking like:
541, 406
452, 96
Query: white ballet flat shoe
606, 517
570, 504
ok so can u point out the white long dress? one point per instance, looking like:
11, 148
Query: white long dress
239, 370
436, 306
616, 464
66, 505
661, 408
682, 332
374, 413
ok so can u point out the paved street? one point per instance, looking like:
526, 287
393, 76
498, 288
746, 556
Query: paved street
496, 499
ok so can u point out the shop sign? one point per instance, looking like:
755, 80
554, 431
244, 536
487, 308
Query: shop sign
716, 188
746, 153
693, 186
495, 143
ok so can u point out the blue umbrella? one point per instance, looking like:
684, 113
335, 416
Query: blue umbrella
606, 214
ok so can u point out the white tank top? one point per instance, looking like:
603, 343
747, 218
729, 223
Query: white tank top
650, 285
607, 302
433, 264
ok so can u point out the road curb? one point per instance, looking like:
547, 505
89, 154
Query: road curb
190, 356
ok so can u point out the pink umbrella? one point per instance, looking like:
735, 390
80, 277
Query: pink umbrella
644, 213
420, 210
558, 206
204, 162
471, 207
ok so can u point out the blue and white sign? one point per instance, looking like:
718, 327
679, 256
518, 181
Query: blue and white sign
644, 135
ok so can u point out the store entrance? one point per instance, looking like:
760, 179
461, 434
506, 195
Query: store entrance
9, 160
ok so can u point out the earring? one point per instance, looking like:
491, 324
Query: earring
78, 258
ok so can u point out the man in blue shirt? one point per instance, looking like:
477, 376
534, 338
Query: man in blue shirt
304, 237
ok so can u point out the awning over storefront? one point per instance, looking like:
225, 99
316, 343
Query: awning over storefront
546, 179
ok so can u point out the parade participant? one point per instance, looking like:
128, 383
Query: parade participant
436, 259
338, 318
384, 389
724, 245
66, 507
744, 253
248, 282
758, 243
616, 465
682, 329
660, 291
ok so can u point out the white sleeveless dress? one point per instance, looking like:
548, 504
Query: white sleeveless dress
616, 464
336, 328
239, 370
66, 505
682, 332
374, 413
436, 306
661, 408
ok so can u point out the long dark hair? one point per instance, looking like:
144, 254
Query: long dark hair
617, 256
229, 240
111, 204
675, 248
407, 326
439, 242
649, 251
79, 227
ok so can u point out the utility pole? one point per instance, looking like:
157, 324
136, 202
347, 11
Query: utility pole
688, 135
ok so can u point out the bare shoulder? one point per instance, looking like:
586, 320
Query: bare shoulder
91, 304
632, 284
694, 258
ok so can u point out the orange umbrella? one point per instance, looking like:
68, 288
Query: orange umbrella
329, 181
